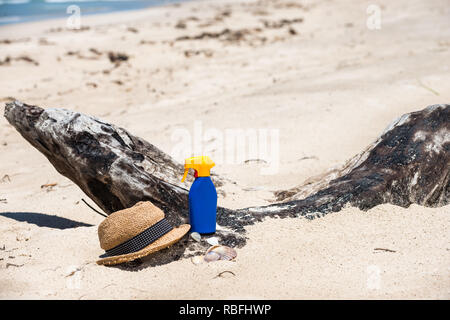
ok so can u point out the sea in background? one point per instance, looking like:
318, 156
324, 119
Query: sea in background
17, 11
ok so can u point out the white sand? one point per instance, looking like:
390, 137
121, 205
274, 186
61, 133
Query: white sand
330, 90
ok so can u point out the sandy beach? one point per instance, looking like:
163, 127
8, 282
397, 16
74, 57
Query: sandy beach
312, 70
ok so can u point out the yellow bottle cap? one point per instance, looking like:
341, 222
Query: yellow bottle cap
201, 164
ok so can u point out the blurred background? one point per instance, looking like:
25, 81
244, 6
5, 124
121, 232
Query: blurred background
16, 11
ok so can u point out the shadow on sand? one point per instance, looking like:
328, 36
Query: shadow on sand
173, 253
44, 220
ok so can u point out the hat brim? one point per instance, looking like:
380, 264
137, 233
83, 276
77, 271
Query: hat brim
166, 240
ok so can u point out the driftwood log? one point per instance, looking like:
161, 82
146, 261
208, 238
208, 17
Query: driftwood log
409, 163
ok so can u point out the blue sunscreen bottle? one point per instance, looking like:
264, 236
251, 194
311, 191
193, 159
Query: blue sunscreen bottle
202, 195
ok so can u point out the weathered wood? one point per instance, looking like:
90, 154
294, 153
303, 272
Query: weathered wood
409, 163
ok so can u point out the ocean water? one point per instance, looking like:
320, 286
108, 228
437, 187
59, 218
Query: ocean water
17, 11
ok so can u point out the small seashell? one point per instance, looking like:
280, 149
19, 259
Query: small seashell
211, 256
196, 260
196, 236
213, 241
220, 253
226, 253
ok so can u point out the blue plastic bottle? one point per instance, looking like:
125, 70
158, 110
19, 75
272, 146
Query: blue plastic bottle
202, 196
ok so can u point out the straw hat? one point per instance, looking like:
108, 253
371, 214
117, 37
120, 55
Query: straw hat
135, 232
